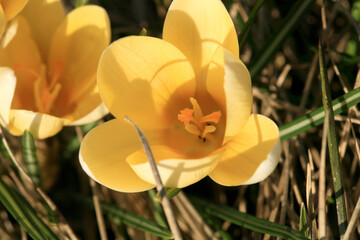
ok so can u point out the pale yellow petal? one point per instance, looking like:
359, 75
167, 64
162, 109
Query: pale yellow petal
87, 108
22, 55
39, 124
267, 166
145, 78
103, 152
197, 28
11, 30
7, 89
175, 171
75, 50
229, 83
44, 16
96, 114
251, 156
12, 7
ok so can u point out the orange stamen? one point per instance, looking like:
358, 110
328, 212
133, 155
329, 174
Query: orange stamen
185, 116
212, 117
200, 124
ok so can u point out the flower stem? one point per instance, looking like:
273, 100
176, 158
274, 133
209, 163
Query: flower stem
159, 185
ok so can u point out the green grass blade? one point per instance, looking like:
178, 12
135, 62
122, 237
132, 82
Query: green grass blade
30, 157
246, 30
317, 116
303, 226
3, 150
246, 220
131, 219
277, 38
24, 214
158, 212
333, 147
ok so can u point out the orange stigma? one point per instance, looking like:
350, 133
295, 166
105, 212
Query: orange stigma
196, 123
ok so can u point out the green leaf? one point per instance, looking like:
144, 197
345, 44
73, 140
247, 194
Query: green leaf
246, 30
143, 32
30, 157
277, 38
80, 3
3, 150
333, 146
316, 117
24, 214
158, 212
130, 219
87, 127
303, 227
245, 220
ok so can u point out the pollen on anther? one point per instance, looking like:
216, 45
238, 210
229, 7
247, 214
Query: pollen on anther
186, 115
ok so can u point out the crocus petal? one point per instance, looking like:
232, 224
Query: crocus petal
22, 55
7, 89
197, 28
141, 77
103, 152
99, 112
12, 7
2, 21
251, 156
174, 170
229, 83
39, 124
44, 16
82, 35
267, 166
87, 109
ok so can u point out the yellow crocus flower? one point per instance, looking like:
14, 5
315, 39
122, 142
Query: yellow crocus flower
8, 10
192, 97
48, 68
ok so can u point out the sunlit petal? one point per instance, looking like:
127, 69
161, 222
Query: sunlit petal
39, 124
197, 28
267, 166
99, 112
142, 77
103, 152
7, 89
82, 35
251, 156
22, 55
44, 16
175, 171
229, 83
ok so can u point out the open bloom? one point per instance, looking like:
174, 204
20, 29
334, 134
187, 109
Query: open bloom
48, 68
192, 97
8, 10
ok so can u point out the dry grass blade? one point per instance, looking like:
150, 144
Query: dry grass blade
322, 182
95, 196
62, 224
159, 185
353, 221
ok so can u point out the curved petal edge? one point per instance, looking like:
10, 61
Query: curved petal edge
267, 166
7, 89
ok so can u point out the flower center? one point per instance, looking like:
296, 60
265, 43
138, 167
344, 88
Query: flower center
45, 92
196, 123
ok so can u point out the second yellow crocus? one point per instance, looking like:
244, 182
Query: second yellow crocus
48, 68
